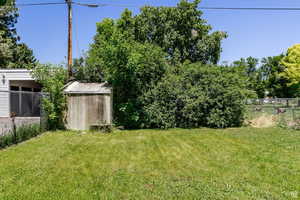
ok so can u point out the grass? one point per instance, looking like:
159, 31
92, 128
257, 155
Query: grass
23, 133
243, 163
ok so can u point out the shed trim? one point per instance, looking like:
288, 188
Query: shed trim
85, 92
87, 88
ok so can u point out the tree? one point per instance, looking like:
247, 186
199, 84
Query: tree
129, 66
291, 62
2, 2
8, 17
180, 31
276, 84
5, 49
196, 95
22, 57
53, 79
249, 68
133, 53
12, 53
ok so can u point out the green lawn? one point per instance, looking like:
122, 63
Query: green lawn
230, 164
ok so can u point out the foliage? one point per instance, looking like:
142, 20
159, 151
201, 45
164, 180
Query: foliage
22, 57
12, 53
194, 96
132, 53
265, 77
180, 31
130, 67
3, 2
8, 19
53, 79
5, 49
85, 73
291, 62
8, 16
276, 84
253, 73
23, 133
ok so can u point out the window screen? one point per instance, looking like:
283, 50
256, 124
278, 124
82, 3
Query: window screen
25, 103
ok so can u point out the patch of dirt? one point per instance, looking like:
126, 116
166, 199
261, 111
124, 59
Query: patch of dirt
264, 121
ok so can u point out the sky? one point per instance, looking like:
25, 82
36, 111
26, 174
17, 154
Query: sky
251, 33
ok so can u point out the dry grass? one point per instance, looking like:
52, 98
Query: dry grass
263, 121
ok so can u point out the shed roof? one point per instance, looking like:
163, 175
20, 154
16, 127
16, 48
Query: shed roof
87, 88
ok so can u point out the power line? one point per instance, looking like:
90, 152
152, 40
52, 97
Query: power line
253, 8
131, 5
39, 4
208, 8
110, 4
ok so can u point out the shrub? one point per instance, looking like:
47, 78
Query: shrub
132, 52
130, 67
196, 95
23, 133
53, 79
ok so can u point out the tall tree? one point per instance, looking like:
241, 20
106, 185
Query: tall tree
5, 49
180, 31
8, 16
276, 84
291, 62
249, 68
133, 52
12, 53
2, 2
266, 76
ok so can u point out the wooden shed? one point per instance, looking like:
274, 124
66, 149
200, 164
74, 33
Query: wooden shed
89, 105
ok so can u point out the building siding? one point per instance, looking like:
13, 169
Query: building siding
5, 77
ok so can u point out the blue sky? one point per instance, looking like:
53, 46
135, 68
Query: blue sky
251, 33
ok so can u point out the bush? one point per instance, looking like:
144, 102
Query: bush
130, 67
196, 96
23, 133
53, 79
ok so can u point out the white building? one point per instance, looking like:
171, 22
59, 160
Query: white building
19, 93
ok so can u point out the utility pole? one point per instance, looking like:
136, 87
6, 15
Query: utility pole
69, 3
70, 26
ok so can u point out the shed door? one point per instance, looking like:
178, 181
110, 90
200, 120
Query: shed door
85, 111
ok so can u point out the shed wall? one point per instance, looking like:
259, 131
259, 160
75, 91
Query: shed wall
87, 110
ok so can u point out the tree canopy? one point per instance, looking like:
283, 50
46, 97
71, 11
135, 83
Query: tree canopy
12, 53
134, 52
291, 62
276, 84
3, 2
180, 31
